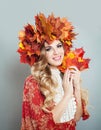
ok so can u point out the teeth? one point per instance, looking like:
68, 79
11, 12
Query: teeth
57, 58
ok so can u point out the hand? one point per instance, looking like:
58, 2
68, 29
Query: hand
68, 83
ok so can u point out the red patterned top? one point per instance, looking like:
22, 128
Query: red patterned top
33, 117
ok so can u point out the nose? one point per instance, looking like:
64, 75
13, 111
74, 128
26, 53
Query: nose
55, 51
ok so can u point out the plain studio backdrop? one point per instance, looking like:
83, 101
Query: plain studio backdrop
85, 16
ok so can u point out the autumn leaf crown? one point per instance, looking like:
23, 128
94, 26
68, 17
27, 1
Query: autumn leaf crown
48, 29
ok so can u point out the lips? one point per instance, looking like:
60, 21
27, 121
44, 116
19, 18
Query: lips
57, 58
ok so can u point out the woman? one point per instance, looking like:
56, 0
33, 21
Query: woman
52, 100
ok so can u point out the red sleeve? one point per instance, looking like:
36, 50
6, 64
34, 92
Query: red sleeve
33, 117
85, 114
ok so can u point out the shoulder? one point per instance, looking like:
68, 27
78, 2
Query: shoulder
30, 79
32, 90
31, 82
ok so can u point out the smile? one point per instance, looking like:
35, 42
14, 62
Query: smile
57, 58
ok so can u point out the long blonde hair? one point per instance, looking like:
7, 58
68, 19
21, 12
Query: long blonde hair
42, 73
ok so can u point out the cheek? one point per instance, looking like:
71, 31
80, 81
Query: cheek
49, 59
62, 52
48, 56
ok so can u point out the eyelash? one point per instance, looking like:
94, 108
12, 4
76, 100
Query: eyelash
58, 46
48, 49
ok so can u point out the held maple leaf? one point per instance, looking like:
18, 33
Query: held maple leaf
74, 58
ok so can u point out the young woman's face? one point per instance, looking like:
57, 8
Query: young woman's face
54, 53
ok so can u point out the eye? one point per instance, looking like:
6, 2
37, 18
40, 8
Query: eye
59, 45
48, 48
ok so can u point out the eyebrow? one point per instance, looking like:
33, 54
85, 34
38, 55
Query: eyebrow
48, 46
51, 46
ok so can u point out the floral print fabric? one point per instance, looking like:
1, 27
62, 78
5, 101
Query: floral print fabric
33, 117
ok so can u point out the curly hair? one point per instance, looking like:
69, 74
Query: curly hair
42, 73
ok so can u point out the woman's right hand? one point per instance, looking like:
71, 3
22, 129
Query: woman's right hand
68, 83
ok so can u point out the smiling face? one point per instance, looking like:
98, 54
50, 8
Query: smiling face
54, 53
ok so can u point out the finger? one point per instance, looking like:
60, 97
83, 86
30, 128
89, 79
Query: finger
67, 73
67, 78
73, 68
71, 80
74, 72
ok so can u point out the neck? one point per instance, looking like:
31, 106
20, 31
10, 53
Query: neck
53, 67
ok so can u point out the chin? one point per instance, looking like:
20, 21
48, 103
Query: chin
57, 64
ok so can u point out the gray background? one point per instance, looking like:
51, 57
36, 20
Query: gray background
85, 15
